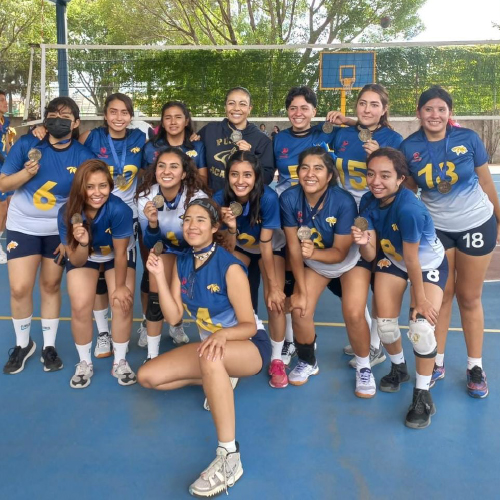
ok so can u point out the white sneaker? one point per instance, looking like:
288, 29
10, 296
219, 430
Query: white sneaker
288, 352
123, 373
82, 376
220, 475
377, 356
349, 350
234, 383
365, 383
143, 335
104, 346
301, 373
3, 256
178, 335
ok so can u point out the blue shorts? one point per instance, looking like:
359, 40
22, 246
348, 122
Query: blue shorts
263, 344
109, 264
24, 245
255, 257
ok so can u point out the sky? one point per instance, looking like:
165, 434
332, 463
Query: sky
450, 20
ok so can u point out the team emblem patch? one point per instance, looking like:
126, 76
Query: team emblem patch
460, 150
331, 220
192, 153
71, 170
12, 245
395, 227
416, 156
383, 263
135, 150
214, 288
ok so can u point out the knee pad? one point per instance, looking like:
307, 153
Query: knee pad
153, 310
388, 330
421, 335
289, 283
145, 282
305, 352
102, 288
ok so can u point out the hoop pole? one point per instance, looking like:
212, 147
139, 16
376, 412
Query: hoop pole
42, 82
343, 102
28, 92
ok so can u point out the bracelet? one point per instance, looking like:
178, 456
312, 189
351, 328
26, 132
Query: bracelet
266, 241
231, 232
82, 245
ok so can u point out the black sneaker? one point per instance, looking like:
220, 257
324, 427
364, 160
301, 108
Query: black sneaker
51, 361
17, 357
421, 409
393, 380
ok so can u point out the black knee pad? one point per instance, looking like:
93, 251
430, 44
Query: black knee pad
305, 352
254, 281
153, 310
102, 288
145, 282
289, 283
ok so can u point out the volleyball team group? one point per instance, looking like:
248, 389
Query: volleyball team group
198, 209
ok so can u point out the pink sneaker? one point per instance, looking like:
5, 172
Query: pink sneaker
279, 380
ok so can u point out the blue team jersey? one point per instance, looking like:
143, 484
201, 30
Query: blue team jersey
287, 148
269, 218
204, 290
113, 220
351, 157
5, 138
34, 206
195, 150
406, 219
466, 206
98, 143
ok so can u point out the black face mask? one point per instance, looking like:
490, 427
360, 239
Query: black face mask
58, 127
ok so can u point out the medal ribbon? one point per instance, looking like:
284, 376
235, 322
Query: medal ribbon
172, 205
118, 165
441, 173
310, 213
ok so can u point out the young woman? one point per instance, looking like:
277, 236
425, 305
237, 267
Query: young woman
175, 129
211, 285
41, 173
276, 131
172, 181
317, 216
96, 228
400, 224
255, 235
450, 165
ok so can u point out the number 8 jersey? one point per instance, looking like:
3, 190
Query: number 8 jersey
34, 206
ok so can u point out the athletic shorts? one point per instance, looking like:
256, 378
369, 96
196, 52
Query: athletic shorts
255, 257
24, 245
110, 264
263, 344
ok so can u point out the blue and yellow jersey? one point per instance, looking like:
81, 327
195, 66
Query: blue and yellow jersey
204, 290
195, 150
34, 206
406, 219
98, 143
269, 218
7, 134
113, 221
466, 206
351, 157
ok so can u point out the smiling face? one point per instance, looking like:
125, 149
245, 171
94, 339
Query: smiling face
174, 121
434, 116
169, 171
97, 190
241, 179
382, 178
369, 109
300, 114
238, 108
313, 176
117, 116
197, 227
3, 105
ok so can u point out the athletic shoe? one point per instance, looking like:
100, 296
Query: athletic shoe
17, 358
149, 358
477, 385
365, 383
288, 352
82, 376
377, 356
301, 373
51, 361
123, 373
277, 372
437, 374
234, 382
393, 380
421, 409
104, 346
349, 350
178, 335
220, 475
3, 256
143, 335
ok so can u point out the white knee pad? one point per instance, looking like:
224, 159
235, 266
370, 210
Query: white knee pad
421, 335
388, 330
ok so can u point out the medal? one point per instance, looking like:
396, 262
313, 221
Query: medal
158, 248
158, 201
236, 208
236, 136
304, 233
76, 219
444, 187
327, 127
364, 135
120, 181
361, 223
35, 155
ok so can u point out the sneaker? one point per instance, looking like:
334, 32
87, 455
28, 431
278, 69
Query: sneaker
277, 372
392, 381
220, 475
143, 335
3, 256
104, 346
178, 335
437, 374
288, 352
377, 356
349, 350
477, 385
149, 358
365, 383
51, 361
82, 376
17, 358
123, 373
421, 409
301, 373
234, 382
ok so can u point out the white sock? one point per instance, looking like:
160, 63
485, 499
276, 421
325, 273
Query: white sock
49, 330
398, 358
22, 328
439, 359
362, 362
288, 329
101, 320
120, 350
84, 352
472, 362
374, 338
153, 346
276, 349
423, 381
230, 446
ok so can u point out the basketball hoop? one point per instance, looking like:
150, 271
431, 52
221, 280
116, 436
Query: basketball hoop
347, 84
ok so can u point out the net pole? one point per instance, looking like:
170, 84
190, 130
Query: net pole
343, 102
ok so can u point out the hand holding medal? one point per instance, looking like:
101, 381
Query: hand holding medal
33, 165
80, 233
359, 231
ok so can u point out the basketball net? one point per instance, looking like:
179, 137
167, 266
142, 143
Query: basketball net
347, 83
